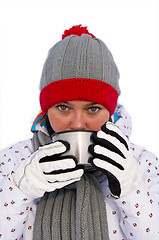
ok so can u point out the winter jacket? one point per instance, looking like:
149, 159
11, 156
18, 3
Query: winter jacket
135, 216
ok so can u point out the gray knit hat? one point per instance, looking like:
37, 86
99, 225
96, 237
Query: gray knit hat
79, 67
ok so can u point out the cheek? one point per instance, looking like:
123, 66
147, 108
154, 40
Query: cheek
58, 124
95, 124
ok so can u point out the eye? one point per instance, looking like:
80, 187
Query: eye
62, 107
94, 109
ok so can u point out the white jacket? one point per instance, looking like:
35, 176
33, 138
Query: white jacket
135, 216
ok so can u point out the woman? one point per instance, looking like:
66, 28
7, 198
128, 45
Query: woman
45, 195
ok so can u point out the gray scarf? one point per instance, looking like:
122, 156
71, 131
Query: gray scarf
76, 212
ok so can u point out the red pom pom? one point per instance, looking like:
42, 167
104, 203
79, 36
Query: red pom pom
76, 30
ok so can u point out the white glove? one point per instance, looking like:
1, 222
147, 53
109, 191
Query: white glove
46, 170
112, 155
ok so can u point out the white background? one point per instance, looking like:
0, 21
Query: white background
130, 28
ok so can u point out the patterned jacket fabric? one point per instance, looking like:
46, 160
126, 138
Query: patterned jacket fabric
135, 216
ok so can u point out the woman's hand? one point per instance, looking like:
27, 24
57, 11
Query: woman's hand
112, 154
46, 170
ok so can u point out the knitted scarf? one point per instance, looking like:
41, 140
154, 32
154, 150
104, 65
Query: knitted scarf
76, 212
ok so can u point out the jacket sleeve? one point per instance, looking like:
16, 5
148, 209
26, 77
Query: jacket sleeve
139, 211
14, 204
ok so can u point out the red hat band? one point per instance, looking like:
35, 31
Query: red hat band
79, 89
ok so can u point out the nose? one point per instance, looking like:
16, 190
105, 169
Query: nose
78, 121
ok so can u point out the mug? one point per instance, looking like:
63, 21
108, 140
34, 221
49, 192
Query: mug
79, 141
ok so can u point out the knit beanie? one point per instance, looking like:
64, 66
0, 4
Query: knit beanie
79, 67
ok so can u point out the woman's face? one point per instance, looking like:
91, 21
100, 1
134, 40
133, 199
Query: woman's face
77, 115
